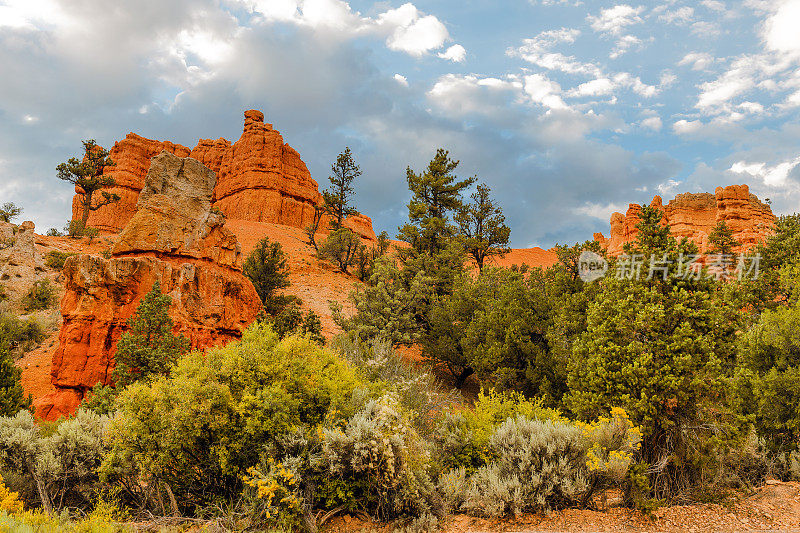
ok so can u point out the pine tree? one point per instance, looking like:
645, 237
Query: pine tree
436, 193
339, 196
721, 239
483, 227
149, 348
88, 178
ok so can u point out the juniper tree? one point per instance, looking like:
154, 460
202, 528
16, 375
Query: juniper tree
9, 211
267, 269
721, 239
88, 178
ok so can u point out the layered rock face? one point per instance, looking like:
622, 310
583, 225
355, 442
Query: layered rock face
20, 263
175, 238
694, 216
259, 178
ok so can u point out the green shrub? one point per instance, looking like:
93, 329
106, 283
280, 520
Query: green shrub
41, 296
341, 248
201, 427
463, 435
102, 399
53, 232
19, 335
291, 320
539, 465
56, 259
74, 229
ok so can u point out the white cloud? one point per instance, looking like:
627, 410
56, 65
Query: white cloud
652, 123
538, 52
455, 53
686, 126
697, 60
624, 43
599, 211
705, 29
459, 95
597, 87
782, 33
402, 80
668, 187
616, 19
276, 9
681, 16
543, 90
772, 176
413, 33
714, 5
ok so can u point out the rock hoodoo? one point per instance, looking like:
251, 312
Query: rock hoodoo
175, 237
259, 178
694, 216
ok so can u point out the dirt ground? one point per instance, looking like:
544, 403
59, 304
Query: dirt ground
773, 507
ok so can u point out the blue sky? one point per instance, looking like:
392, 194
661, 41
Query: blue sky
568, 110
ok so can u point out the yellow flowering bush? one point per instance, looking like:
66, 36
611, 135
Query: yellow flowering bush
275, 490
611, 444
9, 501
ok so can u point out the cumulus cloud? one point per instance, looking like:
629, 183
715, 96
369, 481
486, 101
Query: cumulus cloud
652, 123
697, 60
681, 16
455, 53
771, 175
616, 19
402, 80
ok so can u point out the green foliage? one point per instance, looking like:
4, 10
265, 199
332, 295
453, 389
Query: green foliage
19, 335
87, 176
339, 196
201, 427
436, 193
62, 462
267, 269
42, 295
102, 399
463, 435
75, 229
539, 465
9, 211
766, 382
482, 227
656, 347
56, 259
149, 348
54, 232
13, 331
721, 239
291, 320
342, 248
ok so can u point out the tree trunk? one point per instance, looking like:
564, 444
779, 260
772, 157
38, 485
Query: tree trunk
87, 205
43, 495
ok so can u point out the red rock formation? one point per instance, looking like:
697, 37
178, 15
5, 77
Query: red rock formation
175, 238
132, 157
694, 216
260, 179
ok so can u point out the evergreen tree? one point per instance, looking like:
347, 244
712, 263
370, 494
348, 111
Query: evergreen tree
88, 178
721, 239
342, 248
149, 348
339, 196
12, 396
483, 227
656, 346
436, 193
267, 269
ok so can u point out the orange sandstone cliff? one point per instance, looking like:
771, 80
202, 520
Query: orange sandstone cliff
174, 237
694, 216
259, 179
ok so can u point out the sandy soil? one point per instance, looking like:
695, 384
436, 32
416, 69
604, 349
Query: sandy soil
773, 507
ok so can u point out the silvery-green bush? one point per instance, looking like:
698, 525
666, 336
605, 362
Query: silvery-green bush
539, 465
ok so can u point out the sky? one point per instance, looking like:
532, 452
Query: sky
569, 110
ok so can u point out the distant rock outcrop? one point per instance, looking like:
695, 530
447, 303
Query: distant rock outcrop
694, 216
176, 238
259, 179
20, 263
